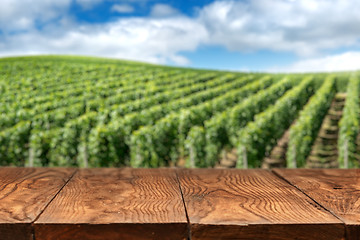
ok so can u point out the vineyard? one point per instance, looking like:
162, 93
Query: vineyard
90, 112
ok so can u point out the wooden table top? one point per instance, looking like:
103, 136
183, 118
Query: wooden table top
169, 203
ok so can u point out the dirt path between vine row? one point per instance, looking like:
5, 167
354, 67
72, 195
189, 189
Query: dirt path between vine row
324, 152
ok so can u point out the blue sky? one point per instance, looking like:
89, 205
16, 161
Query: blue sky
258, 35
103, 10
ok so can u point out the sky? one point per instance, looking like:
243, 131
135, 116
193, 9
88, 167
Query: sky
243, 35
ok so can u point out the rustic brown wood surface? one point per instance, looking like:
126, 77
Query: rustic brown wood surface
60, 203
252, 204
338, 190
24, 194
116, 204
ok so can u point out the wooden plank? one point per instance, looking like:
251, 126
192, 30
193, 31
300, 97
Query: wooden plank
24, 194
338, 190
252, 204
116, 204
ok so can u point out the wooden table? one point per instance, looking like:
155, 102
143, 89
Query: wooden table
109, 203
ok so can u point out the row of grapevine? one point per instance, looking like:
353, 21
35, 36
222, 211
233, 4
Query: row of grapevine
110, 142
67, 148
153, 145
204, 144
65, 111
58, 117
56, 87
119, 110
40, 79
15, 136
91, 103
91, 96
304, 131
13, 142
349, 126
260, 135
85, 85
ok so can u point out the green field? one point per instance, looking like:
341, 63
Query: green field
92, 112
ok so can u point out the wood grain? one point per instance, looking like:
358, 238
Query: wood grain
338, 190
116, 204
24, 194
248, 204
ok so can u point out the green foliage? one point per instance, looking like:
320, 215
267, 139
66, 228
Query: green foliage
260, 135
13, 144
41, 142
71, 111
222, 129
126, 125
342, 80
349, 126
166, 137
304, 131
71, 148
195, 143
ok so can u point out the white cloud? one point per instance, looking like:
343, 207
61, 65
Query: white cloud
348, 61
306, 27
122, 8
163, 10
20, 15
151, 40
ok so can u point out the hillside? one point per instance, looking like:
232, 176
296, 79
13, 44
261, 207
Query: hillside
79, 111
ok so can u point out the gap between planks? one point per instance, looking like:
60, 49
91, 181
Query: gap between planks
183, 200
51, 200
303, 192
